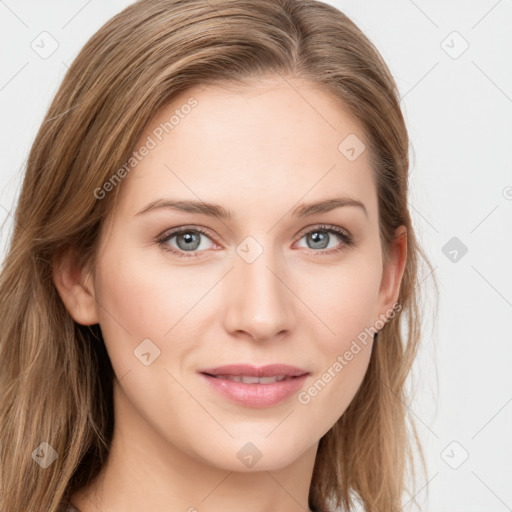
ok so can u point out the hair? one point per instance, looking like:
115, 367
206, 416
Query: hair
56, 377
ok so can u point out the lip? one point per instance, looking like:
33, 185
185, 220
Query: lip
269, 370
255, 395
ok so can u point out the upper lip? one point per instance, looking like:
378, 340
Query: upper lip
270, 370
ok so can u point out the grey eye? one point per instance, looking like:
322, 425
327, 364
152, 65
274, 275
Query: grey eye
188, 240
319, 239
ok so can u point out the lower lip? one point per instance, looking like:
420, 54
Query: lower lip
256, 395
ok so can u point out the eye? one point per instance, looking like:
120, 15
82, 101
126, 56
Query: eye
187, 240
321, 237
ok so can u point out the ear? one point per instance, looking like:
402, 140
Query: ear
75, 287
393, 271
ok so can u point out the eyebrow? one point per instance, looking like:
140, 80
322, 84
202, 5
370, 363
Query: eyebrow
215, 210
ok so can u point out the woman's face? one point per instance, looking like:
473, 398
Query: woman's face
257, 280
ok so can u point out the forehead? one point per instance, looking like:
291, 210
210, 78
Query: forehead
273, 142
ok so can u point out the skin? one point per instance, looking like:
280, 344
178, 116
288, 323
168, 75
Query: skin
258, 151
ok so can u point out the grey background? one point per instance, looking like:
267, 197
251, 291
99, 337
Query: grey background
458, 106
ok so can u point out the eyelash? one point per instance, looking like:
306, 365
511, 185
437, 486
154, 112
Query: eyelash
347, 239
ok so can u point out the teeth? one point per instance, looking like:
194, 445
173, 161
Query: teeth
246, 379
250, 380
270, 380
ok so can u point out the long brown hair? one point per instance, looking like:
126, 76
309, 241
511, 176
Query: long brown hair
56, 377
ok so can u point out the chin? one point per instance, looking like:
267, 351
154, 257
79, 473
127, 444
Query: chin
255, 453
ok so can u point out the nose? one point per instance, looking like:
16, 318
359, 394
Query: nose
260, 305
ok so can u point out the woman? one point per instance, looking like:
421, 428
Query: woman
204, 295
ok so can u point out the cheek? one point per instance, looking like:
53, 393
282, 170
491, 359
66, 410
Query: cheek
140, 299
346, 305
346, 300
131, 308
145, 297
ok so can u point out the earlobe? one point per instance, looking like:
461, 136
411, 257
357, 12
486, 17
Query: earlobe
75, 288
393, 271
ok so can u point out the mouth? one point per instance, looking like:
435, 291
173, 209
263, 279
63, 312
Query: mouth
247, 379
252, 386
